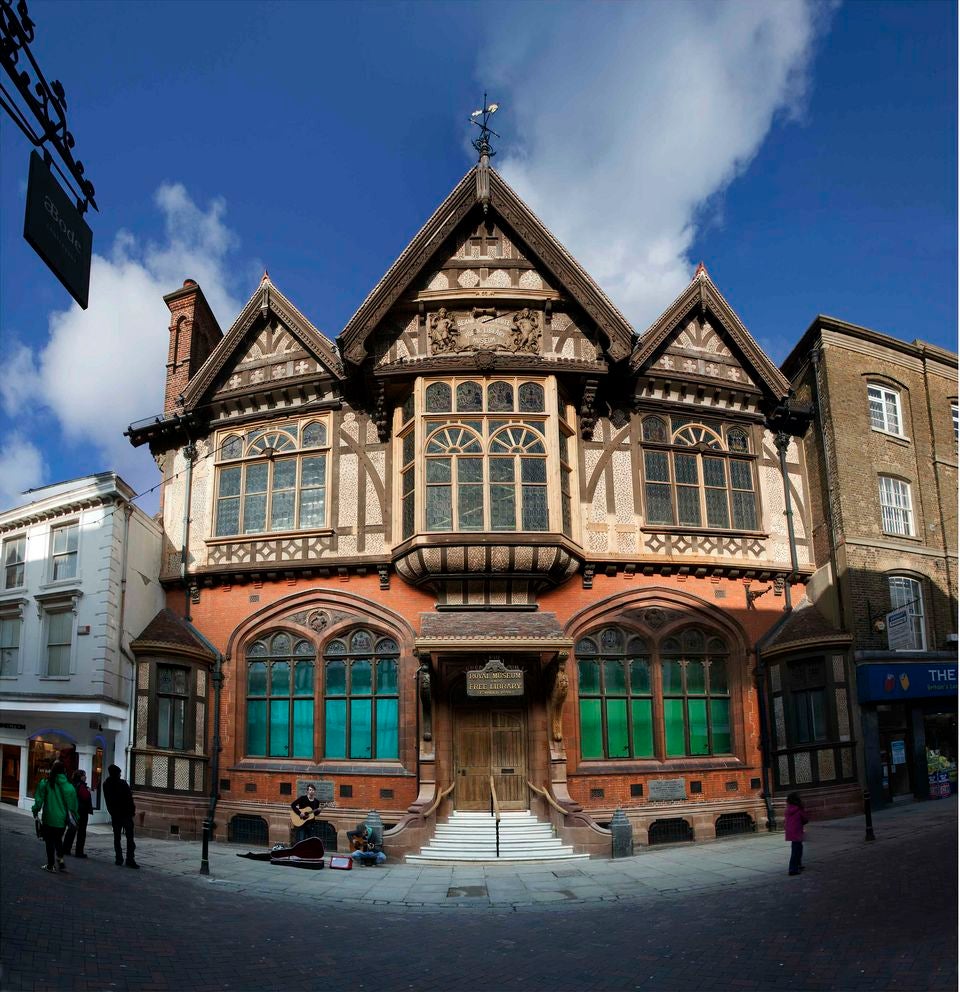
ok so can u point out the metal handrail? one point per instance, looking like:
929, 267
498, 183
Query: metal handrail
495, 812
546, 795
440, 797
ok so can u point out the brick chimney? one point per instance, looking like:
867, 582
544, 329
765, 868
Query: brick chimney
194, 333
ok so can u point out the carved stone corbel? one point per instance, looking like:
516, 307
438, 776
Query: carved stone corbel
558, 696
424, 690
588, 414
381, 416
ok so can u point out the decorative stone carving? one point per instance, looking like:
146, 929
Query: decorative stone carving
526, 331
558, 696
588, 413
444, 333
424, 679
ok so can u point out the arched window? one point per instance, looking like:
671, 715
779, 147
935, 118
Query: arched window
696, 695
280, 676
518, 480
692, 479
616, 695
361, 702
454, 469
272, 480
638, 701
907, 593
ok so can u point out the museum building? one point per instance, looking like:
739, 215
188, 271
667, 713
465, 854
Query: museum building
491, 546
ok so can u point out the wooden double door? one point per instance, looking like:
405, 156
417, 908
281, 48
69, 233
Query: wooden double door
490, 742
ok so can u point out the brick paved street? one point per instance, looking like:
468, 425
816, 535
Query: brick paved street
863, 917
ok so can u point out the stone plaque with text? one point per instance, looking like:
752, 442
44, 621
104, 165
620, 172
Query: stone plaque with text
666, 789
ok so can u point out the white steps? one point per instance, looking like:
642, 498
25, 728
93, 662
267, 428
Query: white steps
471, 837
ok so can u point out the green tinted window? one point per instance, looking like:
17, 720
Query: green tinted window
591, 729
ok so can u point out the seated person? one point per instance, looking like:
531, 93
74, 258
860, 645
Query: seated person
367, 850
308, 806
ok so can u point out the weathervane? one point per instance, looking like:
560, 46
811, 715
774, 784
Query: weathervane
482, 143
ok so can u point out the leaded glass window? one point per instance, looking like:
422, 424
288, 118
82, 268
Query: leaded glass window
280, 697
172, 697
273, 480
690, 479
616, 695
696, 695
361, 697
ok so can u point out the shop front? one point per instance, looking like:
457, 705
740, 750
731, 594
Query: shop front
908, 707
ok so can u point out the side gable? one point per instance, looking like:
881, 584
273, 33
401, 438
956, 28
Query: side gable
700, 335
271, 342
483, 186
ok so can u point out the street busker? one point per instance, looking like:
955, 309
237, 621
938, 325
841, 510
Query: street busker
85, 810
119, 800
793, 823
54, 802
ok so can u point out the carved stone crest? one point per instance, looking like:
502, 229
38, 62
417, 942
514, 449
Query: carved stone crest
526, 331
444, 333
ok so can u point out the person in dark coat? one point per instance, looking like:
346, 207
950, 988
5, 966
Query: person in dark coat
84, 811
55, 796
119, 800
793, 823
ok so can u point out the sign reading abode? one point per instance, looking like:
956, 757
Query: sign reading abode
495, 679
57, 231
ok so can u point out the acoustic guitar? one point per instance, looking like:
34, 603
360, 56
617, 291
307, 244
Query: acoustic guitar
299, 818
359, 844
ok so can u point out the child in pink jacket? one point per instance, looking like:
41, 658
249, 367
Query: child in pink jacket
793, 822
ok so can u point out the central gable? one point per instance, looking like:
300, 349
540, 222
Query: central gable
485, 249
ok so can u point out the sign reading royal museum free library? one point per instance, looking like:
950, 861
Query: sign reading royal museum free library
57, 232
495, 679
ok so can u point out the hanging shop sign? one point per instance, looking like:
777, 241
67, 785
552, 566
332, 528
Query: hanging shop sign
901, 635
495, 679
57, 232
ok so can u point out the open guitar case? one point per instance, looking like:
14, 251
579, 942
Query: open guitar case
305, 854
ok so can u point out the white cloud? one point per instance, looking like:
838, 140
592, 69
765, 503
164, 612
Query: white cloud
633, 117
21, 468
102, 368
20, 380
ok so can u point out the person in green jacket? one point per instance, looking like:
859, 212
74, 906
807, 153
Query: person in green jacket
54, 797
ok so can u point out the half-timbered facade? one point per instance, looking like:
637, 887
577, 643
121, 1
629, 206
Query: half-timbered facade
490, 470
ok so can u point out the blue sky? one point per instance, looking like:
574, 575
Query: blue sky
807, 153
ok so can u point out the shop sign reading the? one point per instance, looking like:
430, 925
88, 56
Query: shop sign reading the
495, 679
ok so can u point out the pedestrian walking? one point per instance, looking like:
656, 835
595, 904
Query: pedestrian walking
793, 822
55, 801
119, 800
84, 811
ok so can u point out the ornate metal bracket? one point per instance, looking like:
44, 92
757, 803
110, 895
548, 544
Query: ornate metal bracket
47, 102
753, 594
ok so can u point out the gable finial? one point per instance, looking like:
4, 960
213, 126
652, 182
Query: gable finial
701, 271
482, 145
265, 277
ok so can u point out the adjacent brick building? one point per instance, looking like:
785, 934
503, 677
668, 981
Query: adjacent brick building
883, 471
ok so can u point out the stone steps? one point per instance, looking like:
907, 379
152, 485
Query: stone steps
471, 837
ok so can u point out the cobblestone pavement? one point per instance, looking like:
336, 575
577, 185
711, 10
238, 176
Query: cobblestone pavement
719, 916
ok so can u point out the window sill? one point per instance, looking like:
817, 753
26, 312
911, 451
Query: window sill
710, 531
269, 535
647, 766
900, 439
304, 766
54, 678
61, 585
902, 537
